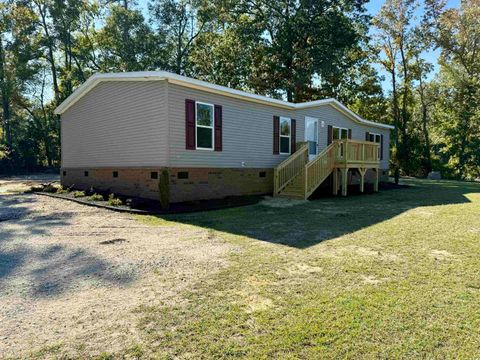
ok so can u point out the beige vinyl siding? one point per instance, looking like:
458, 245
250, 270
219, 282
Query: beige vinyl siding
142, 124
331, 116
121, 123
247, 132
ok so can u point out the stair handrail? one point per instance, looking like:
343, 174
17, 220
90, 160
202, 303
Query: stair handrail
317, 170
288, 169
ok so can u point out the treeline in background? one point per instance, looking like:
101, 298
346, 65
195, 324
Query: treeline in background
298, 50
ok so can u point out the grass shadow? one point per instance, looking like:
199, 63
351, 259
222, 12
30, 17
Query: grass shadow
301, 224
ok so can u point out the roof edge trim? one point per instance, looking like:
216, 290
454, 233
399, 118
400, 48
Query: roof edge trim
95, 79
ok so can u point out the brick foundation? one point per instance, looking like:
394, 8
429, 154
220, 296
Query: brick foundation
202, 183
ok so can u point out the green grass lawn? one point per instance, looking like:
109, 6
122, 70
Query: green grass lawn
388, 275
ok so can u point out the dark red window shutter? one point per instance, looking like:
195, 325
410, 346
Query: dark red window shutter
381, 147
367, 136
190, 124
276, 135
293, 136
349, 133
330, 134
218, 128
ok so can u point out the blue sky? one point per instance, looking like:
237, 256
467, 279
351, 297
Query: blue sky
373, 7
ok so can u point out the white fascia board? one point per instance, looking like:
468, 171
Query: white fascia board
202, 85
93, 80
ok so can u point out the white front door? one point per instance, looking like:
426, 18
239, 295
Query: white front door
311, 136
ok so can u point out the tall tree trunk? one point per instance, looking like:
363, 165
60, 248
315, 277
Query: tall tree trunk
396, 120
50, 53
426, 136
405, 146
463, 134
178, 58
4, 88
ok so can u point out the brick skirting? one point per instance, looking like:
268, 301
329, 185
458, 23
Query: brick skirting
201, 184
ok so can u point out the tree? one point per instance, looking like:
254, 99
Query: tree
457, 33
18, 65
182, 22
229, 50
126, 42
394, 41
308, 45
425, 100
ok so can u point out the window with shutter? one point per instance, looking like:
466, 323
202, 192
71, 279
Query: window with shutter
376, 138
218, 128
190, 124
339, 133
294, 136
381, 147
276, 135
285, 135
204, 126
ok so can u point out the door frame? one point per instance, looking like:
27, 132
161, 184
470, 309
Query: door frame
307, 119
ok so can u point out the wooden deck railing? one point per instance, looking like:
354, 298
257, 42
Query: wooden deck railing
290, 167
357, 152
342, 154
317, 170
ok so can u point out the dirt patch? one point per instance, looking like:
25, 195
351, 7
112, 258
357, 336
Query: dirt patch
256, 303
354, 250
441, 255
303, 269
421, 212
250, 296
71, 276
19, 184
372, 280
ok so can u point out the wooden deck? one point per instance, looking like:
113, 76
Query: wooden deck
297, 177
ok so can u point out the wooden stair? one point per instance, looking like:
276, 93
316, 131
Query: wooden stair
295, 189
298, 178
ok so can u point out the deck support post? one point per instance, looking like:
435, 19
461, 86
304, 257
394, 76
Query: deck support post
275, 182
335, 181
375, 186
362, 172
305, 182
344, 181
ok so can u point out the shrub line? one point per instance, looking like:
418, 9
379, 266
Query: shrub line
108, 207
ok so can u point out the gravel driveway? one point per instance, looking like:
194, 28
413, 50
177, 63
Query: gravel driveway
72, 276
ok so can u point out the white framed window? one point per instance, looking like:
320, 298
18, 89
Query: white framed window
285, 135
204, 125
376, 138
339, 133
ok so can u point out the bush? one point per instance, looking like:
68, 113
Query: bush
77, 194
95, 197
164, 189
35, 188
62, 190
49, 188
113, 201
